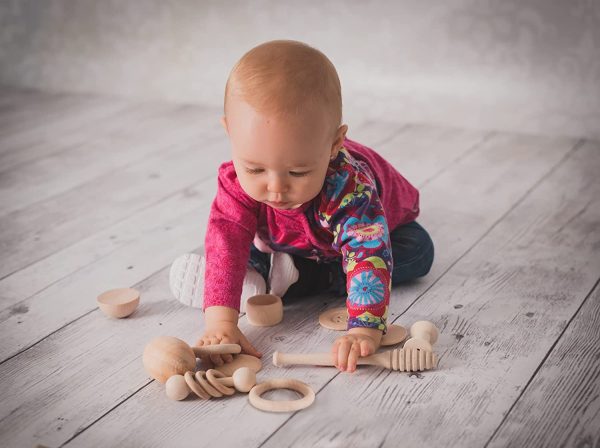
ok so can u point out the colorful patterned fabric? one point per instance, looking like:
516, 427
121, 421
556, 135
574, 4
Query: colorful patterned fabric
362, 198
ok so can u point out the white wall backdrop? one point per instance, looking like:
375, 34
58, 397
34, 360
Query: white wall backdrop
520, 65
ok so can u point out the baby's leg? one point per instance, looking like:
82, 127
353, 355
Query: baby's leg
412, 250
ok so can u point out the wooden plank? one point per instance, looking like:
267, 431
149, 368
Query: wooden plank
60, 117
26, 109
179, 423
560, 406
127, 374
96, 149
41, 229
500, 308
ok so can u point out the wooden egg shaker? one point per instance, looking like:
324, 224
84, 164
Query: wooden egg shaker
423, 335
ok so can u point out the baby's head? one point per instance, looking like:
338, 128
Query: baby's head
283, 112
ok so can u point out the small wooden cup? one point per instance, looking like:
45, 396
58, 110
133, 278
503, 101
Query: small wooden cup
264, 310
119, 302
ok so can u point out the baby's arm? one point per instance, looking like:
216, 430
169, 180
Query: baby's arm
221, 327
231, 228
357, 219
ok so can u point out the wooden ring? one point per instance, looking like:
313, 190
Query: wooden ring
213, 376
204, 384
194, 386
285, 405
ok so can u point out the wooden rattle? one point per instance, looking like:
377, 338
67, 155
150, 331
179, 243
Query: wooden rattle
402, 360
213, 383
424, 334
166, 356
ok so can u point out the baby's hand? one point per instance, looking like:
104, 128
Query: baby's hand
356, 343
222, 329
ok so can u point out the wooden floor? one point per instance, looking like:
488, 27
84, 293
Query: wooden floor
98, 193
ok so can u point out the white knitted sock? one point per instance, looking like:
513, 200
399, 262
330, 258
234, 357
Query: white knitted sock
283, 273
186, 280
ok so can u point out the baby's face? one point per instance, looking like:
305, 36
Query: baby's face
278, 161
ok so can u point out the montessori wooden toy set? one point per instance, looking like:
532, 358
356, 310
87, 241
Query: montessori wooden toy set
174, 363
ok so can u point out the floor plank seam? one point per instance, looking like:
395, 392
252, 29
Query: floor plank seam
82, 430
458, 159
542, 362
572, 151
46, 337
112, 224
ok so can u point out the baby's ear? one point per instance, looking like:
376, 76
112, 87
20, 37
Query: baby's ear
223, 121
339, 140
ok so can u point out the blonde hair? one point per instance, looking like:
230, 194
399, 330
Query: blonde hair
286, 77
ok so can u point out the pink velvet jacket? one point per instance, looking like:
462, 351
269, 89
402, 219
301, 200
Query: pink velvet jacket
363, 198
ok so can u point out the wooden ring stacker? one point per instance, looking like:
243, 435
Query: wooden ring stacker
281, 406
337, 319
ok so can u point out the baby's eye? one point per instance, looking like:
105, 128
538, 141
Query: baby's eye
299, 174
254, 171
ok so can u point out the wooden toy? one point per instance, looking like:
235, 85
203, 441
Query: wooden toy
217, 349
402, 360
424, 334
176, 387
264, 310
166, 356
213, 383
394, 335
334, 319
281, 406
119, 302
241, 360
337, 319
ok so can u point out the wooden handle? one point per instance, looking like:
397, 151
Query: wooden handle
409, 360
217, 349
310, 359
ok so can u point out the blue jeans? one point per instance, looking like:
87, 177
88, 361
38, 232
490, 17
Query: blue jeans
412, 252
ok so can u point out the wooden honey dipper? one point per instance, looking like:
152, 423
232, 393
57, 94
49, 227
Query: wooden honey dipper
210, 383
402, 360
424, 334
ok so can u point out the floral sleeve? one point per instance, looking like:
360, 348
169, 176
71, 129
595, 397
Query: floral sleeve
356, 217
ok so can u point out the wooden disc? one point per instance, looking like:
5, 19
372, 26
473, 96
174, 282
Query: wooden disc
334, 319
395, 334
285, 405
241, 360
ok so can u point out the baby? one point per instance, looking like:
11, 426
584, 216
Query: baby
301, 209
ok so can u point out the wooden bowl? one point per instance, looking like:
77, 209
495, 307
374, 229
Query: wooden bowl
119, 302
264, 310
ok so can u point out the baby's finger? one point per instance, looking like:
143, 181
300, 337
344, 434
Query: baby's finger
353, 356
227, 340
216, 359
365, 348
334, 353
343, 353
248, 348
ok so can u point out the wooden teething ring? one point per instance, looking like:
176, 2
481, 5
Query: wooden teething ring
281, 406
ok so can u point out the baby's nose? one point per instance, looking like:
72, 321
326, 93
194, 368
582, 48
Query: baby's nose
277, 185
